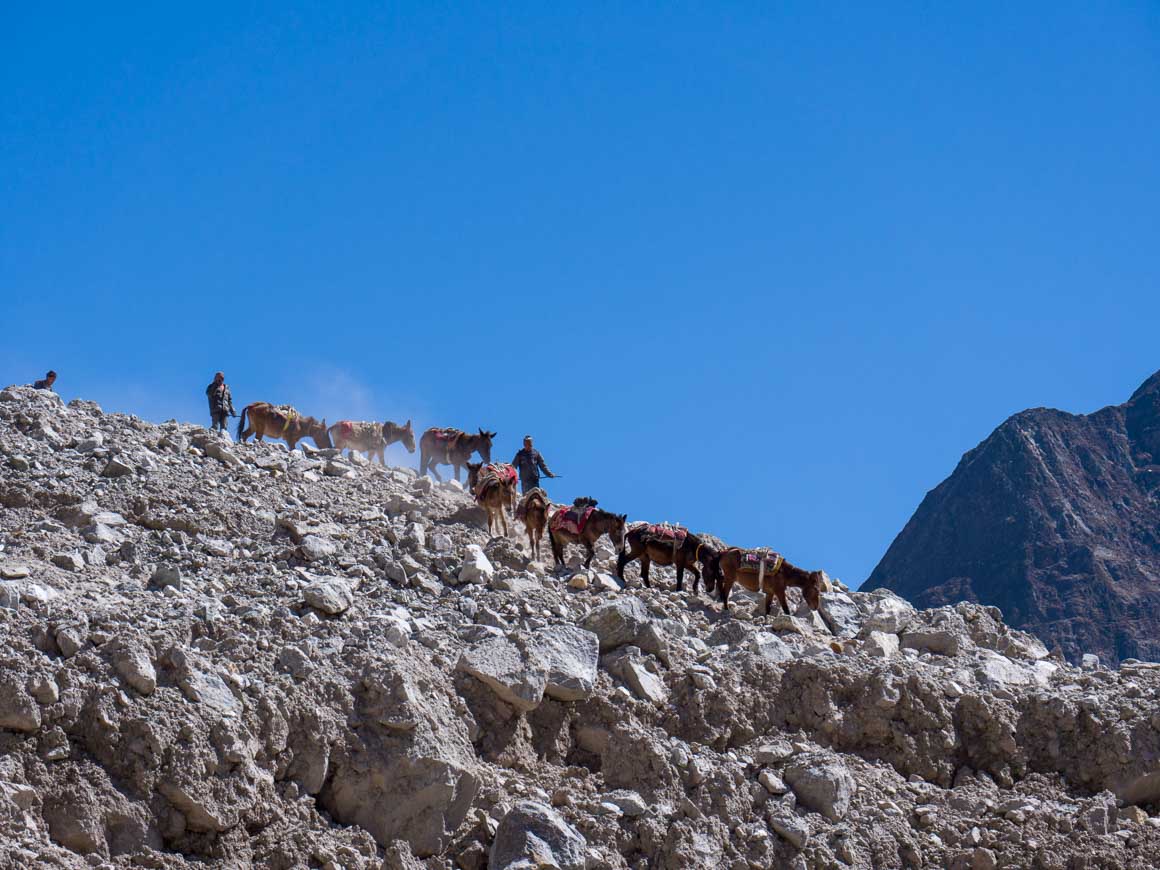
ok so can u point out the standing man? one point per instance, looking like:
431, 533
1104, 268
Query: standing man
221, 403
529, 463
46, 383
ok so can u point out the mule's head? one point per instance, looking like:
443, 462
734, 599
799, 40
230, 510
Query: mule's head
318, 432
409, 437
485, 444
473, 469
619, 530
812, 589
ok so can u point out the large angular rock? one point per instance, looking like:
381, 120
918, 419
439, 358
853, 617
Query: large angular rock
822, 784
644, 683
889, 614
941, 641
770, 647
413, 773
516, 672
880, 644
117, 467
135, 667
533, 835
476, 567
840, 613
18, 711
618, 622
315, 548
331, 595
573, 656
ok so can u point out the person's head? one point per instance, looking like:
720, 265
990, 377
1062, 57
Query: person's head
51, 376
219, 377
527, 440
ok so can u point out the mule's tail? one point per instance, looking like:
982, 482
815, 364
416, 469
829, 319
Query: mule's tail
242, 422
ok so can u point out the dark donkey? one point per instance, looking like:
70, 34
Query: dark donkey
768, 572
585, 526
451, 447
281, 421
667, 545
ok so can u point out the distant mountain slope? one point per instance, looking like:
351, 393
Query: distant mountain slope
1055, 518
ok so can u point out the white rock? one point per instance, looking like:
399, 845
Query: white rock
880, 644
888, 614
476, 567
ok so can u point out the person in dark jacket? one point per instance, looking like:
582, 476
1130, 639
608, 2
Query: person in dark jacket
221, 403
46, 383
529, 463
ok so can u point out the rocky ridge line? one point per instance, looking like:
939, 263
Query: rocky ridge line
239, 655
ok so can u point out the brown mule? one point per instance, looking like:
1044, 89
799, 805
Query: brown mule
494, 489
533, 509
769, 571
667, 545
451, 447
599, 522
371, 438
281, 422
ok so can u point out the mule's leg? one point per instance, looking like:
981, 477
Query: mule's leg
680, 576
696, 576
557, 549
591, 552
726, 585
623, 558
645, 564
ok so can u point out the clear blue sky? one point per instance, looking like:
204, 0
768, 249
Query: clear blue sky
764, 269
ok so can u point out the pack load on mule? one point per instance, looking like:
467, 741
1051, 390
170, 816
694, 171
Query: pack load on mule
766, 571
573, 519
583, 523
371, 439
447, 446
281, 421
668, 544
533, 510
494, 488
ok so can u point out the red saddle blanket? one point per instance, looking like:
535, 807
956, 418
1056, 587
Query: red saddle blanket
751, 560
570, 520
497, 473
666, 532
443, 435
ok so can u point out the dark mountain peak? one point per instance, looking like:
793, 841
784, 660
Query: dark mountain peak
1150, 388
1055, 518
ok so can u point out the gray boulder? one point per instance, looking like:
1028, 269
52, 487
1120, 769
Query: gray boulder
331, 595
840, 613
516, 672
533, 835
618, 622
573, 656
888, 614
822, 784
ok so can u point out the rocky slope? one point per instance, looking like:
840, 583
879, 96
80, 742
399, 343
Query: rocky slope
241, 656
1055, 519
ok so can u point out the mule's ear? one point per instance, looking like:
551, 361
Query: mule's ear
624, 518
408, 426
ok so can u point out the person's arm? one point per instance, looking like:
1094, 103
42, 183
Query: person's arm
516, 460
543, 465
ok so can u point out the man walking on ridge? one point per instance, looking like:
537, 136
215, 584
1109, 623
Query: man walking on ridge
221, 403
529, 463
46, 383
